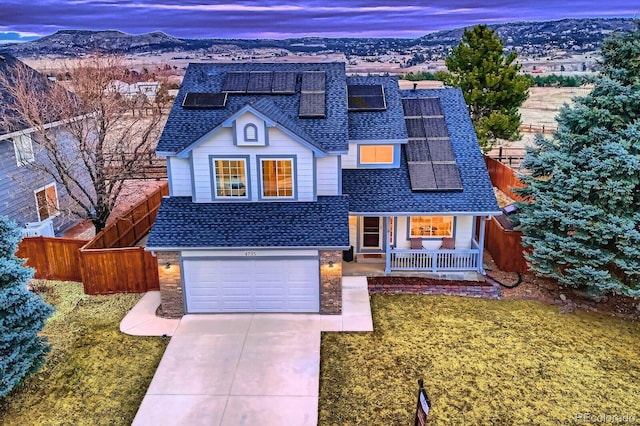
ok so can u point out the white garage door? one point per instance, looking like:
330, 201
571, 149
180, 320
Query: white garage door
264, 285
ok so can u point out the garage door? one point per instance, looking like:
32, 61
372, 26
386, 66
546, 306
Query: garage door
263, 285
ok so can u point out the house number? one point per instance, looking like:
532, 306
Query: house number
250, 253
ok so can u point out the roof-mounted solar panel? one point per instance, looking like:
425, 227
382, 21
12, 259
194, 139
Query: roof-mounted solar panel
430, 107
312, 95
430, 158
417, 151
260, 82
312, 105
204, 100
283, 82
447, 176
411, 107
313, 81
422, 176
236, 82
366, 97
435, 127
440, 150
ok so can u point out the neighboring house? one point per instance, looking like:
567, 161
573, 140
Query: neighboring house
149, 89
30, 198
278, 171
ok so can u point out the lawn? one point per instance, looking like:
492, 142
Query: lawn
94, 374
483, 362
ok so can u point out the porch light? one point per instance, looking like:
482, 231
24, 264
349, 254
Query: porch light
331, 264
167, 265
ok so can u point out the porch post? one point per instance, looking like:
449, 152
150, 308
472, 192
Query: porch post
387, 246
481, 244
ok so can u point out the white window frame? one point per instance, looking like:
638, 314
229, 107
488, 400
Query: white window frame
50, 206
293, 178
393, 154
248, 129
431, 234
23, 147
214, 165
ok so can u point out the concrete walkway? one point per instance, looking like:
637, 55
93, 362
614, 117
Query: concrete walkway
241, 369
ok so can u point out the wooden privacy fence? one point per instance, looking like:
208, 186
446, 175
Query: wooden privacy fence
131, 226
107, 264
52, 258
111, 265
503, 177
505, 247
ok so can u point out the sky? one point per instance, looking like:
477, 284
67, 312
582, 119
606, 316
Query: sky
22, 20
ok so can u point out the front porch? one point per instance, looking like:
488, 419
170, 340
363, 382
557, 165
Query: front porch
369, 269
400, 246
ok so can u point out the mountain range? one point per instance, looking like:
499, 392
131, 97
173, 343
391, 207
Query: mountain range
528, 38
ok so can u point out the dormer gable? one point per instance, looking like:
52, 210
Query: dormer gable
250, 128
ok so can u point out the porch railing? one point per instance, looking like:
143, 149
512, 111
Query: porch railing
436, 260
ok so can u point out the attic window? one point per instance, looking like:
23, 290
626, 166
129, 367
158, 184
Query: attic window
250, 133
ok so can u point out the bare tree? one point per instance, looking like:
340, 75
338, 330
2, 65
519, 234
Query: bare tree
108, 136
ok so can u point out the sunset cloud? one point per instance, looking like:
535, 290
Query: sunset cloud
282, 19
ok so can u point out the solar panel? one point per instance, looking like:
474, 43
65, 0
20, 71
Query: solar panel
430, 107
441, 150
422, 177
435, 127
415, 128
447, 176
236, 82
259, 82
411, 107
283, 82
201, 100
312, 105
366, 103
365, 90
417, 151
429, 153
366, 97
313, 81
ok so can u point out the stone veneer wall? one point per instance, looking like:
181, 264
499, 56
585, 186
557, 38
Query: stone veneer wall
331, 282
172, 302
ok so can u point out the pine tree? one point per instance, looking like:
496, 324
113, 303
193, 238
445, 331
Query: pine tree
22, 315
583, 224
490, 82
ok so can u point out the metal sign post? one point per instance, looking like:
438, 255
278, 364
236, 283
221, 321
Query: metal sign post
423, 406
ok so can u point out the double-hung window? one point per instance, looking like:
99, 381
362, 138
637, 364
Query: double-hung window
230, 177
23, 146
277, 177
47, 202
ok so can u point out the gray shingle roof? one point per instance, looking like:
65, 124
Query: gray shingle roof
185, 126
379, 125
389, 190
183, 224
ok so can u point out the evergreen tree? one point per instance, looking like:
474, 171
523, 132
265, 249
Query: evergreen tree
490, 82
583, 224
22, 315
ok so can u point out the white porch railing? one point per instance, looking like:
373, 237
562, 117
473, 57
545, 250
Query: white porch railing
436, 260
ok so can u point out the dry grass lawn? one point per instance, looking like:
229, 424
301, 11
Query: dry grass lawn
94, 374
483, 362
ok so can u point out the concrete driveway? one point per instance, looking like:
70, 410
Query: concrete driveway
247, 369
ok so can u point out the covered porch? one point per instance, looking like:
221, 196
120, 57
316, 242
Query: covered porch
433, 245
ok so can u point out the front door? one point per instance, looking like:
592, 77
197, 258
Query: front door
371, 233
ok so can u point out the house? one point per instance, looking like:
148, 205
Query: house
29, 197
279, 171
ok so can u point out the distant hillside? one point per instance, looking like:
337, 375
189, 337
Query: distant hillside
529, 38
